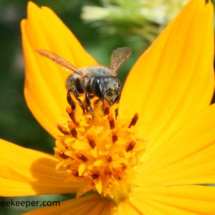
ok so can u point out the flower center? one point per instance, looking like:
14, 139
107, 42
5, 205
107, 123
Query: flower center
102, 151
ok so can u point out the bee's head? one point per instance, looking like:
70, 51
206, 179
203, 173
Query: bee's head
107, 88
112, 90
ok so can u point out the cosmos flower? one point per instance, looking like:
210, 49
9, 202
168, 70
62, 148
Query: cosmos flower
155, 158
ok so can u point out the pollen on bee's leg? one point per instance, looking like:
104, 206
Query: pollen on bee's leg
106, 107
73, 130
61, 129
81, 157
130, 146
91, 141
114, 136
71, 114
111, 121
134, 120
62, 155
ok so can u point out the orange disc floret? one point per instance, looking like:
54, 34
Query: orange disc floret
102, 150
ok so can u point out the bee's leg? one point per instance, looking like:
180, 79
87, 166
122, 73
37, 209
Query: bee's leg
69, 99
89, 107
75, 93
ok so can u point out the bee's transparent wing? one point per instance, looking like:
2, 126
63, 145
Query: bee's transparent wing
59, 60
118, 57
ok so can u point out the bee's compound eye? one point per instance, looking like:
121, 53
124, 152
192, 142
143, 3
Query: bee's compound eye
106, 88
98, 87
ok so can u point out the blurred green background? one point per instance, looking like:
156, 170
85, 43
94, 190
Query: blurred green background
101, 26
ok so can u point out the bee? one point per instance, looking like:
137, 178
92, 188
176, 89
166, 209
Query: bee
92, 81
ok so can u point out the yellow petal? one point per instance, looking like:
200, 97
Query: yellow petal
81, 169
91, 204
45, 91
186, 157
102, 208
175, 200
98, 185
27, 172
173, 79
126, 208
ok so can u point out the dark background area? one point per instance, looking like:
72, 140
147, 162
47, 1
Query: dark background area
16, 122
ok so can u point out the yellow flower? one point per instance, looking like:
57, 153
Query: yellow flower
152, 159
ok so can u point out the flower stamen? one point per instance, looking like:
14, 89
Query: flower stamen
62, 155
111, 121
106, 107
109, 158
62, 130
75, 173
114, 136
93, 175
130, 146
100, 150
123, 165
81, 157
73, 130
134, 120
71, 114
91, 141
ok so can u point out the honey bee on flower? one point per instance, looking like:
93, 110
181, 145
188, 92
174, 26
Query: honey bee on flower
93, 81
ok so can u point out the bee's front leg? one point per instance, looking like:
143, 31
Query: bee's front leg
70, 100
88, 103
75, 93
